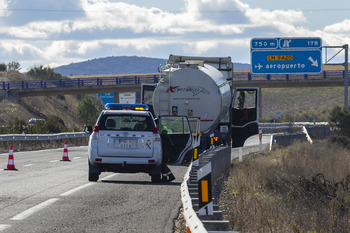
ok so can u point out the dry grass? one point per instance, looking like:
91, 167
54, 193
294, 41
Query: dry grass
303, 188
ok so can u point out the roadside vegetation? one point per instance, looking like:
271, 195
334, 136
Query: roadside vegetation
301, 188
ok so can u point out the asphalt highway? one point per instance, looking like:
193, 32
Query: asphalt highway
49, 195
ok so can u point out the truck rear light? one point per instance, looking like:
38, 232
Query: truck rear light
98, 160
151, 161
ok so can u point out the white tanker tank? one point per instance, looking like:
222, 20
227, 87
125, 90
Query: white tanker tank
196, 87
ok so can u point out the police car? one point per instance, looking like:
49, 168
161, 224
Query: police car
125, 139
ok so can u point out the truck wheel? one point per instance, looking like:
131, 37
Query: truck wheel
93, 176
156, 178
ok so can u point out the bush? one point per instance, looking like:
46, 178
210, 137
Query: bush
44, 73
88, 110
302, 188
339, 120
3, 67
17, 126
53, 124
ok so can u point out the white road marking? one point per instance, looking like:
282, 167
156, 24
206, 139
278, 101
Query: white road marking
54, 161
34, 209
107, 177
77, 158
76, 189
28, 165
4, 227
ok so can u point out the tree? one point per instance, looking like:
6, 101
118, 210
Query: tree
3, 67
44, 72
88, 110
13, 66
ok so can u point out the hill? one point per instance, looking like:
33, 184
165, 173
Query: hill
112, 65
120, 65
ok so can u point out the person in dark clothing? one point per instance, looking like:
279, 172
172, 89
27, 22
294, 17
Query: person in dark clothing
167, 175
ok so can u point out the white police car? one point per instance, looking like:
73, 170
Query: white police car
125, 139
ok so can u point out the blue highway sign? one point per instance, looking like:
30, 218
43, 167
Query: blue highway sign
286, 55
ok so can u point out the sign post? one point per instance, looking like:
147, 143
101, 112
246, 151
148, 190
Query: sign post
286, 55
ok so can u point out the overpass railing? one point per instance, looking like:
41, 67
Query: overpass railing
150, 78
79, 82
329, 74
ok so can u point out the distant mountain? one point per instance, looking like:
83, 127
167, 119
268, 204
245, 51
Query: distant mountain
112, 65
241, 66
120, 65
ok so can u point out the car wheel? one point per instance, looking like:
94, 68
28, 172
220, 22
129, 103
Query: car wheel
156, 178
93, 176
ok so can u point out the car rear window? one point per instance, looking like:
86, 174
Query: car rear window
126, 123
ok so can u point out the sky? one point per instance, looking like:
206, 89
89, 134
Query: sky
54, 33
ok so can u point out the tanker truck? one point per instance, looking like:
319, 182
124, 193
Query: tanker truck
201, 87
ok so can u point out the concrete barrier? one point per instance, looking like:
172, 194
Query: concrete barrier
220, 159
281, 139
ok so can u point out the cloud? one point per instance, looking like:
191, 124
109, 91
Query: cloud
59, 32
342, 27
4, 8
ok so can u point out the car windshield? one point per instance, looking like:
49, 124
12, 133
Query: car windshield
126, 123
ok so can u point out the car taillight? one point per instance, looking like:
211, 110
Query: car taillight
96, 128
155, 130
95, 133
156, 134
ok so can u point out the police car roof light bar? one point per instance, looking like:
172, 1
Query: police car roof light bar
116, 106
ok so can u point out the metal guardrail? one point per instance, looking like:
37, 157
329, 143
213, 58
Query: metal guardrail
41, 137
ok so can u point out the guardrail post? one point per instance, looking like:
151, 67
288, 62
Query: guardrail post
116, 81
268, 77
155, 78
287, 76
305, 76
249, 76
205, 199
78, 82
8, 85
3, 86
324, 74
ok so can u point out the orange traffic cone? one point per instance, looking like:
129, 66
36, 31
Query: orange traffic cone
65, 153
11, 162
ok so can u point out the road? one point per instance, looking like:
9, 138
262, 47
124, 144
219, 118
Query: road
49, 195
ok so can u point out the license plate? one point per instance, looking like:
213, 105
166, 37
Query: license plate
126, 143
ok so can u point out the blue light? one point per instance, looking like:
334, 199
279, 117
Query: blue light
116, 106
